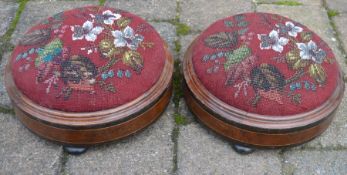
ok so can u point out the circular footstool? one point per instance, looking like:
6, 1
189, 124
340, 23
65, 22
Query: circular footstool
262, 80
89, 75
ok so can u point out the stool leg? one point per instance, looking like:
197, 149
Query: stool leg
75, 150
241, 149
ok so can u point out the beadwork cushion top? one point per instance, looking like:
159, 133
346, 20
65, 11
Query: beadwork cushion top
88, 59
265, 64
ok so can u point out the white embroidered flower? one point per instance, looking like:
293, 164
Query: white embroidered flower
292, 29
272, 41
310, 51
87, 31
127, 37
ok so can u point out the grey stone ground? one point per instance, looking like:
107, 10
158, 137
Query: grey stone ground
7, 12
167, 147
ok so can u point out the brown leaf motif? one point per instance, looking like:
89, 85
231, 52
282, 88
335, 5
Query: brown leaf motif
222, 40
39, 36
317, 72
240, 70
134, 60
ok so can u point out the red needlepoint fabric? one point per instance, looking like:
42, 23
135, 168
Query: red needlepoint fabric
265, 64
88, 59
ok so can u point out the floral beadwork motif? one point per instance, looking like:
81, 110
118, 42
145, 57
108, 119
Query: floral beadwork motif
104, 33
295, 47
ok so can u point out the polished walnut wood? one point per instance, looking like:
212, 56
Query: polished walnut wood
254, 129
84, 129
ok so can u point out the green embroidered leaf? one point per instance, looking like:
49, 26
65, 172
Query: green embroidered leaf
45, 21
237, 56
37, 61
243, 31
51, 48
239, 17
58, 16
50, 51
243, 24
222, 40
228, 23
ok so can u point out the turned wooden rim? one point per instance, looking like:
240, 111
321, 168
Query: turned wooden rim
88, 119
235, 115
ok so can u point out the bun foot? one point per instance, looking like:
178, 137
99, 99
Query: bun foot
74, 150
242, 149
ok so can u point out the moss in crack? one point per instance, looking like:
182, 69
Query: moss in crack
5, 45
288, 3
182, 29
6, 110
102, 2
64, 158
332, 13
177, 83
178, 46
177, 77
180, 119
15, 21
281, 2
174, 138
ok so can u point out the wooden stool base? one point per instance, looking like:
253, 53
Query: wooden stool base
255, 137
84, 136
252, 129
84, 129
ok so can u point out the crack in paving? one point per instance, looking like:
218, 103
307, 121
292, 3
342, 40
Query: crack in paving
64, 157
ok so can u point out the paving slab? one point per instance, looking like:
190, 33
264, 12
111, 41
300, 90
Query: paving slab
168, 32
336, 135
35, 11
341, 24
148, 9
21, 152
303, 2
149, 152
339, 5
200, 15
315, 19
4, 99
202, 152
7, 14
315, 162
